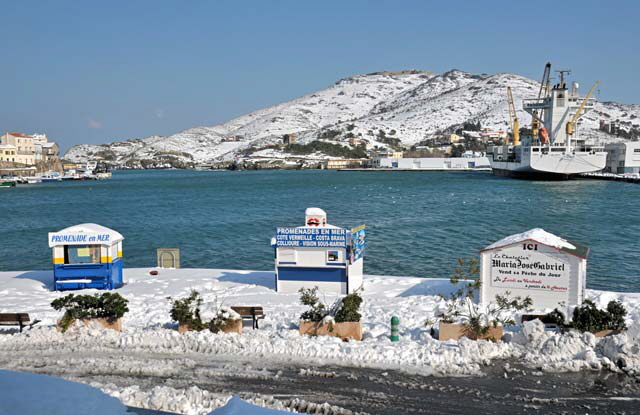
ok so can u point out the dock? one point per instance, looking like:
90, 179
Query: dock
611, 176
393, 169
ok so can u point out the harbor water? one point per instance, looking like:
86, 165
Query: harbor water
418, 224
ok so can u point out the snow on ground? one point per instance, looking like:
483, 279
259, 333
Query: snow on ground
27, 393
148, 329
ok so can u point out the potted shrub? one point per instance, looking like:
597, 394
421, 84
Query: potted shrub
106, 309
464, 318
602, 323
192, 313
341, 320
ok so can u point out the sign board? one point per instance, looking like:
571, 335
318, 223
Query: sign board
533, 270
358, 243
311, 237
551, 277
79, 238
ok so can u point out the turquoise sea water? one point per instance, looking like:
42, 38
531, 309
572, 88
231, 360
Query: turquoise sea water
418, 223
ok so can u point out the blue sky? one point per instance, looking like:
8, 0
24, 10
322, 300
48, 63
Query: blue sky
93, 72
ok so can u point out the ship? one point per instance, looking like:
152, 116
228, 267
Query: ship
554, 149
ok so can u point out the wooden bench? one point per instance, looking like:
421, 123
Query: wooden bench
253, 313
17, 319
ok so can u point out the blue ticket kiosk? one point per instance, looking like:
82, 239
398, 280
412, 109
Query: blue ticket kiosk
86, 256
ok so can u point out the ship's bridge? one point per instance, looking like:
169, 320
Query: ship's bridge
536, 104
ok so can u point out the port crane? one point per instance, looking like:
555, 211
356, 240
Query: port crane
543, 92
513, 119
571, 125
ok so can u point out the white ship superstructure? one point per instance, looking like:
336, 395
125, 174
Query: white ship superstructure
554, 149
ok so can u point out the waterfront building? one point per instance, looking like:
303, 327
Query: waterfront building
7, 152
86, 256
29, 149
319, 255
25, 148
334, 164
433, 163
623, 157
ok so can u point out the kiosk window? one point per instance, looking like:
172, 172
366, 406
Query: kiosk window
333, 256
82, 254
287, 255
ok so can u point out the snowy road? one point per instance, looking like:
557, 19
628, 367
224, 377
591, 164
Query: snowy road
506, 388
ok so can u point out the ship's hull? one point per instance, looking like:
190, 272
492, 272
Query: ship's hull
559, 166
530, 175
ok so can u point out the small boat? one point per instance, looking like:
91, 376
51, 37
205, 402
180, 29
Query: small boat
7, 184
51, 176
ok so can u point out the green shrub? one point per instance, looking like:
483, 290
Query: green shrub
187, 311
199, 316
588, 317
349, 310
110, 306
343, 310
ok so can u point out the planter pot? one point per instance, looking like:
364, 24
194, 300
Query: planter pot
232, 326
605, 333
453, 331
346, 331
182, 328
103, 322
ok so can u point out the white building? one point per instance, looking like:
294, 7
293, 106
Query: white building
433, 163
7, 152
623, 157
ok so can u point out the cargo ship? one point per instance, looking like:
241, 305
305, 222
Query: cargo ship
553, 150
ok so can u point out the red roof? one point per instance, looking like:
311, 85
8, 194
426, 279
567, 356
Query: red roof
19, 135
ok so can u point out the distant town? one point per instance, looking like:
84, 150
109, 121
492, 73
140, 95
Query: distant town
32, 158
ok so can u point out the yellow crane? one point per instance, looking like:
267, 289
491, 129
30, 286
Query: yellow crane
513, 119
571, 125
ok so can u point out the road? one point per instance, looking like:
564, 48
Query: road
506, 387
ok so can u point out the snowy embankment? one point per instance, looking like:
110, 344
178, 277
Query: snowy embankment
149, 331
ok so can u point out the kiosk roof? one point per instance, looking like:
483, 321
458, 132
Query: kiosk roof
543, 237
93, 228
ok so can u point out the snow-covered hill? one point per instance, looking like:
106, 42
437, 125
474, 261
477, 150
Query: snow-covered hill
407, 105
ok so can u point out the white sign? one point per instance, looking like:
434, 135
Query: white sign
551, 277
532, 269
79, 238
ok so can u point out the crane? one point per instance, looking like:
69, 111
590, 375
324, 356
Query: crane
542, 93
571, 125
513, 118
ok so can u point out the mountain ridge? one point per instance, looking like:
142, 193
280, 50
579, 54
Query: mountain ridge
409, 105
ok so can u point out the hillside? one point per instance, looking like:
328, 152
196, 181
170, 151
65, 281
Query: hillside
407, 106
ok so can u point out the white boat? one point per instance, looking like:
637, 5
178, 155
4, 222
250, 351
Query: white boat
554, 149
50, 176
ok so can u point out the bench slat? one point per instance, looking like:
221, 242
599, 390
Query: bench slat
249, 311
14, 317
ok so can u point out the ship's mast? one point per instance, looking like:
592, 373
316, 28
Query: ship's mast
557, 109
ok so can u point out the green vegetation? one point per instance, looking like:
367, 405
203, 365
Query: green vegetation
110, 306
187, 311
588, 317
461, 306
342, 311
330, 149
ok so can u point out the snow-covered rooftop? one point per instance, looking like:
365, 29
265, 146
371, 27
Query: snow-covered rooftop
536, 234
